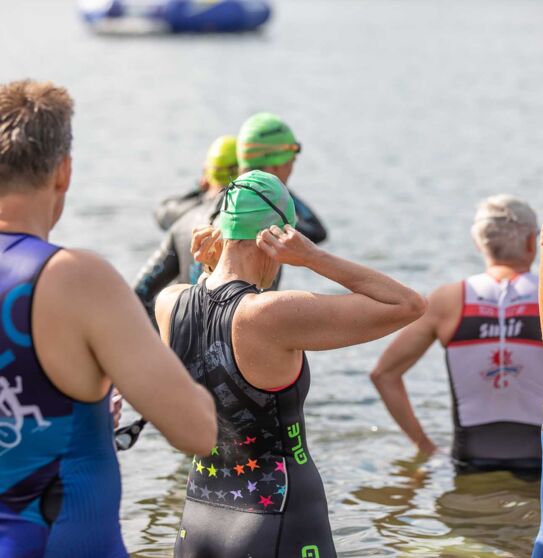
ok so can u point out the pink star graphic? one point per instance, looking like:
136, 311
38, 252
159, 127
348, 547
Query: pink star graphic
280, 466
266, 501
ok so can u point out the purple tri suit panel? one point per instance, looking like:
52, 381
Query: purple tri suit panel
59, 476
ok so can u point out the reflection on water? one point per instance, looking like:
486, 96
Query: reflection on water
482, 515
163, 514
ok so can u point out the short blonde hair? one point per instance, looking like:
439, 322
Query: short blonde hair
35, 131
502, 226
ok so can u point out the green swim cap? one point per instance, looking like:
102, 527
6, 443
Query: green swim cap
221, 161
265, 140
255, 201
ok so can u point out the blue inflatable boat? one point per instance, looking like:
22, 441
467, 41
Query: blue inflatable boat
197, 16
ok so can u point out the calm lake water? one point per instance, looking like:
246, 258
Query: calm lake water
410, 111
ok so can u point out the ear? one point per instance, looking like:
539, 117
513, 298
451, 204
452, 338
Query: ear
63, 175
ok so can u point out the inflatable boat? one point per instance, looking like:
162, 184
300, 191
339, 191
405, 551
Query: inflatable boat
176, 16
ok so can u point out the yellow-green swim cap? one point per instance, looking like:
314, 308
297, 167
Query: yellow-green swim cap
221, 163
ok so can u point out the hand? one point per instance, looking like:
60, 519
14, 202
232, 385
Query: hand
206, 245
427, 447
115, 407
286, 246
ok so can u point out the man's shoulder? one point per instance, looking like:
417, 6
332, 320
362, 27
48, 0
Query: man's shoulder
445, 298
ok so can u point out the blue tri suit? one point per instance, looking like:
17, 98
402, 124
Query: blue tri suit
60, 484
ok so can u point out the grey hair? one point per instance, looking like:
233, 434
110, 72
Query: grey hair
502, 226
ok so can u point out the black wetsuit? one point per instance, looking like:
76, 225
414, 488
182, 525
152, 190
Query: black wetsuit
173, 260
258, 494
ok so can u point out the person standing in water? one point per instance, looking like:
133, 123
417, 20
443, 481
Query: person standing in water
538, 546
221, 166
267, 143
69, 326
258, 493
489, 327
173, 260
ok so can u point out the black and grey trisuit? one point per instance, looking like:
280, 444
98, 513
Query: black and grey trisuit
258, 494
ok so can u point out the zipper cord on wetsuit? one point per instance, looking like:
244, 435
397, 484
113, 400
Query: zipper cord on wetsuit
504, 286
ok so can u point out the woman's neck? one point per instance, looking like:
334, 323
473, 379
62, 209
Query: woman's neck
237, 262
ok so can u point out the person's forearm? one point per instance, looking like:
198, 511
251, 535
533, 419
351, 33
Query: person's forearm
360, 279
394, 395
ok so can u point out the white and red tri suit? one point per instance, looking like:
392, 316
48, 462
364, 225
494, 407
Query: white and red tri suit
495, 364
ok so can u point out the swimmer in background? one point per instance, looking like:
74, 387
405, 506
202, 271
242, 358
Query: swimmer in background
275, 152
173, 260
69, 327
489, 327
538, 546
267, 143
258, 493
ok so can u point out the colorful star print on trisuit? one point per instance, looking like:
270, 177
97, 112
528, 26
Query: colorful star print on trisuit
254, 484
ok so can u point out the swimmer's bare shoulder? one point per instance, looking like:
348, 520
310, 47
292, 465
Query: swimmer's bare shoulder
164, 304
444, 309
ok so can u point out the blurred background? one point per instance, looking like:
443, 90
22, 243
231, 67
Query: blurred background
409, 112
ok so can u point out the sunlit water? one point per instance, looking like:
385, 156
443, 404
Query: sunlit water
409, 112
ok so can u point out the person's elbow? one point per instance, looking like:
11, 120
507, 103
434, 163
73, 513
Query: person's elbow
382, 378
413, 306
377, 377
